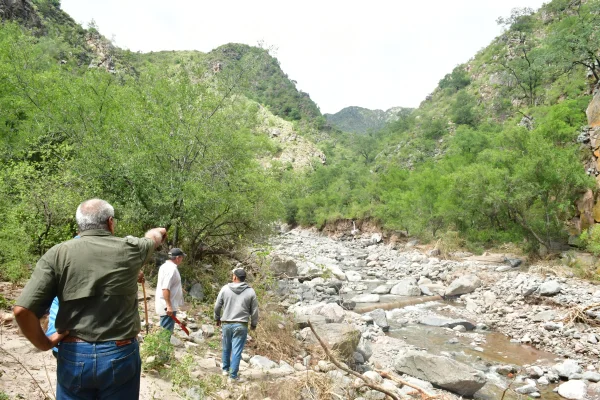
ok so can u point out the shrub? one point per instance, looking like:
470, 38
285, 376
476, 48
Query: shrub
157, 346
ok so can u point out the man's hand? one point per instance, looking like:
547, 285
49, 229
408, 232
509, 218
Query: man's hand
56, 338
141, 277
159, 235
252, 328
169, 311
218, 323
30, 326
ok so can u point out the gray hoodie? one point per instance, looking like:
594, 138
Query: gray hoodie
237, 302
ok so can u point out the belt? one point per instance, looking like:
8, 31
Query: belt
234, 322
74, 339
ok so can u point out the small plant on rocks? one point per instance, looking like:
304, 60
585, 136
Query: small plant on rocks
157, 350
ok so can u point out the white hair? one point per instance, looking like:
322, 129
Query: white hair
93, 214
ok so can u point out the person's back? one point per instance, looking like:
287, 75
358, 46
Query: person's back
98, 285
95, 279
236, 307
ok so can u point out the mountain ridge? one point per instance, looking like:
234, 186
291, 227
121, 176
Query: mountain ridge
355, 119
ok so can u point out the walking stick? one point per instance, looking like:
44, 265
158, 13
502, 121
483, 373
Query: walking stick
145, 304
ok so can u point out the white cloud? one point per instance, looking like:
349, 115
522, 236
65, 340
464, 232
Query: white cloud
373, 54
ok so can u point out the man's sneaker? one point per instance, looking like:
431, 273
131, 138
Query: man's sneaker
225, 373
235, 381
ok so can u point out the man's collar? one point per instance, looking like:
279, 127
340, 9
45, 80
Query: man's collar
95, 232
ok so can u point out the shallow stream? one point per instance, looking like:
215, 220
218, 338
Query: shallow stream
480, 349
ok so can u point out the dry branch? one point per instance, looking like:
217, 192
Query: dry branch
423, 393
578, 314
367, 381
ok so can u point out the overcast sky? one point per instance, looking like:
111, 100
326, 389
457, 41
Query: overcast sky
375, 54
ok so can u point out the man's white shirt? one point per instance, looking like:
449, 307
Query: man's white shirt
168, 278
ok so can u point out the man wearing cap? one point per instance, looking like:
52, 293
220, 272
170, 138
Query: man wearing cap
236, 306
169, 294
95, 279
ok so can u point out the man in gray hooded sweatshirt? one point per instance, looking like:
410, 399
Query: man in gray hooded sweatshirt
236, 305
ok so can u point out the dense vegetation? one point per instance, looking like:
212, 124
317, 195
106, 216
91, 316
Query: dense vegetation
167, 147
170, 138
491, 154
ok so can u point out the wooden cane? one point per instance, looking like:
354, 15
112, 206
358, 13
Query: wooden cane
145, 304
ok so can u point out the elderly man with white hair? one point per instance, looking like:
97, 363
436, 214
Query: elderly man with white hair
95, 278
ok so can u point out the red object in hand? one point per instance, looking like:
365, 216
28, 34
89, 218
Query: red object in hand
174, 318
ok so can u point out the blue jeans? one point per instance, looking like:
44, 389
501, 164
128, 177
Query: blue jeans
168, 322
234, 339
103, 370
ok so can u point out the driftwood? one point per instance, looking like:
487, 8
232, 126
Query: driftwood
368, 382
578, 314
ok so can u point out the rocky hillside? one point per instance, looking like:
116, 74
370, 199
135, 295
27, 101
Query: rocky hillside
362, 120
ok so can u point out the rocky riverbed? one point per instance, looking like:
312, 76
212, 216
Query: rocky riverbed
497, 324
481, 327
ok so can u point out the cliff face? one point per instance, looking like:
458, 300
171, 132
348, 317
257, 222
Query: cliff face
20, 10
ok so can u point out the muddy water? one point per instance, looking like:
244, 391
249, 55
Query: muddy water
497, 350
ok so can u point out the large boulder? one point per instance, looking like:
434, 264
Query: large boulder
441, 371
406, 287
463, 285
283, 266
341, 338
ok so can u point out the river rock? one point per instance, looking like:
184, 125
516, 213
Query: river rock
463, 285
567, 369
283, 266
262, 362
301, 321
436, 320
342, 338
489, 298
331, 311
308, 268
550, 288
353, 276
380, 319
364, 348
441, 371
366, 298
406, 287
547, 315
426, 386
591, 376
382, 289
573, 390
527, 389
196, 292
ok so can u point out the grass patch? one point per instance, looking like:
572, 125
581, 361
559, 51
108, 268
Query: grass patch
5, 304
157, 350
